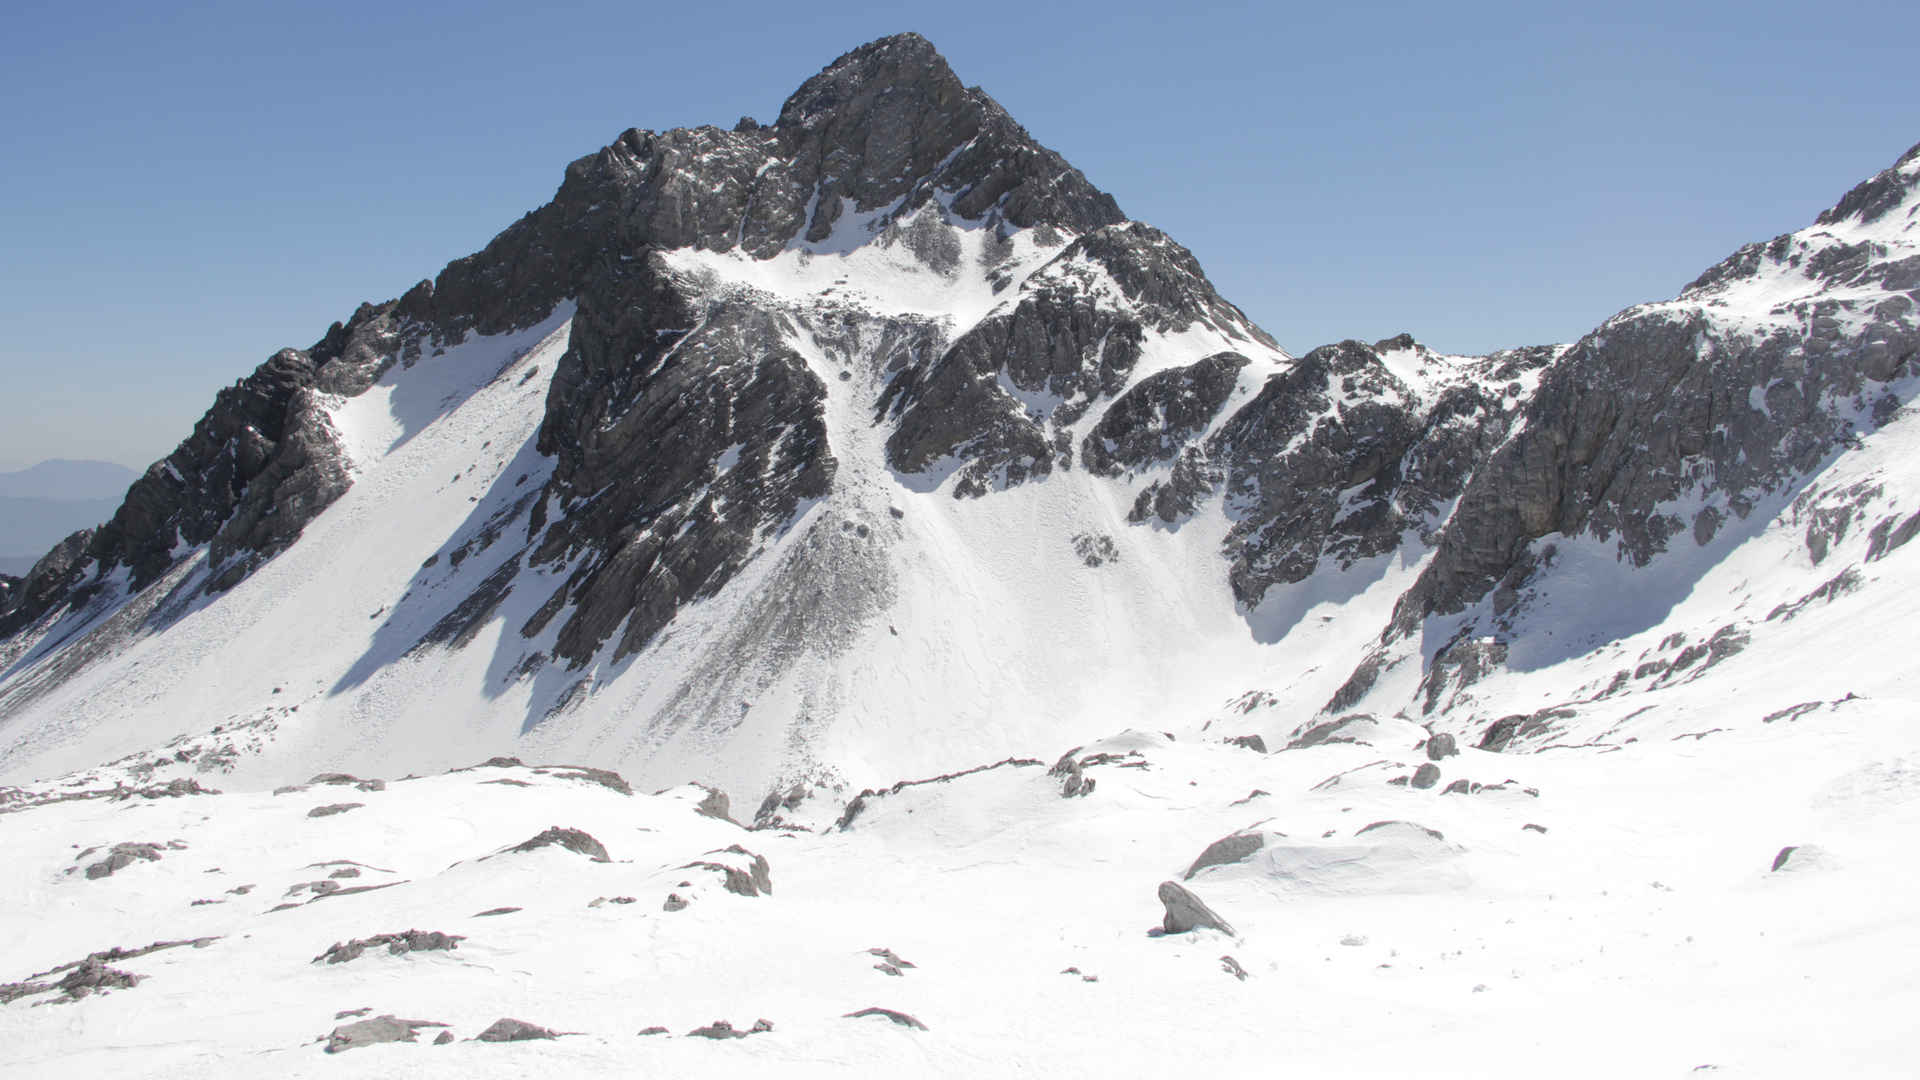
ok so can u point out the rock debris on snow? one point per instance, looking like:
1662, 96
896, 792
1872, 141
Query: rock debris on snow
507, 1029
900, 1018
379, 1029
398, 944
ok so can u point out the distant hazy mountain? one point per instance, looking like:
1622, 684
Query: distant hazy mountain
65, 479
42, 504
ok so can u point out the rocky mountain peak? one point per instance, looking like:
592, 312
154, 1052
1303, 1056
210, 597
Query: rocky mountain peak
890, 125
903, 64
1875, 197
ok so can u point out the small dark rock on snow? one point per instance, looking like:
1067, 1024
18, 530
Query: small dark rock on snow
507, 1029
397, 944
722, 1029
379, 1029
1186, 912
896, 1016
574, 840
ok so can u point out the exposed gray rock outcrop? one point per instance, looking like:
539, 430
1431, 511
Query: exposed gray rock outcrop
900, 1018
1186, 912
507, 1029
574, 840
1228, 849
398, 944
379, 1029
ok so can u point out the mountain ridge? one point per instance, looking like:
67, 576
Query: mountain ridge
759, 351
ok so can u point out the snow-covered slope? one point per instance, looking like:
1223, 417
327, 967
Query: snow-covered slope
1482, 932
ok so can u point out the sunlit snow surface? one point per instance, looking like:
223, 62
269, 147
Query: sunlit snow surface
1647, 906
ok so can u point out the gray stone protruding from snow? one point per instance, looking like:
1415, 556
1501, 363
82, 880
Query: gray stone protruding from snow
755, 880
715, 805
334, 808
1365, 829
720, 1029
1228, 849
338, 778
894, 1015
1441, 746
1186, 912
379, 1029
443, 1038
890, 958
1249, 742
507, 1029
122, 856
574, 840
606, 778
1427, 775
397, 944
1786, 853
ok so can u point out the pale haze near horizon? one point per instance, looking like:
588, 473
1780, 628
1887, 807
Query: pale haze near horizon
188, 191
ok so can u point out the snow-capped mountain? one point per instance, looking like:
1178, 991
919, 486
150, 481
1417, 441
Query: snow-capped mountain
864, 464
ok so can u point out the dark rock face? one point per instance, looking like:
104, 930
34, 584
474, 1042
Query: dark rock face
684, 430
1441, 747
1151, 422
1338, 458
1427, 775
675, 447
1668, 400
1001, 399
261, 464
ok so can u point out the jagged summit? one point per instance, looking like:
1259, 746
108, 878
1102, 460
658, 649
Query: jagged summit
899, 63
890, 121
1879, 195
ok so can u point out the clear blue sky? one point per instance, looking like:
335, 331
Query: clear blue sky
187, 187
